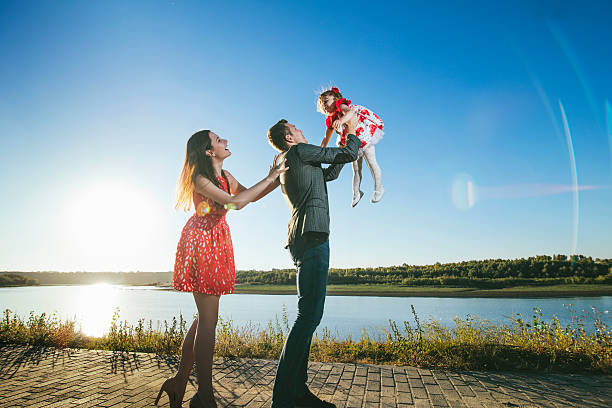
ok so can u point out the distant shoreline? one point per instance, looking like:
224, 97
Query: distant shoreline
555, 291
539, 276
448, 292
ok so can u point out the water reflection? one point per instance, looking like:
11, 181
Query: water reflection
95, 306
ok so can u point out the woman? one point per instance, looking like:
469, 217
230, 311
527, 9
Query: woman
204, 261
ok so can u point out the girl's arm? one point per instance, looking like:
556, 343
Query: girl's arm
347, 114
236, 187
242, 198
328, 134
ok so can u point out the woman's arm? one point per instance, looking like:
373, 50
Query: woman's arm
268, 189
328, 134
242, 198
236, 187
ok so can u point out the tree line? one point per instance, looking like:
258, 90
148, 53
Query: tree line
16, 279
541, 269
490, 273
87, 278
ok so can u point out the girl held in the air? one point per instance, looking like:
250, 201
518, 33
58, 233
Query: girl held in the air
369, 130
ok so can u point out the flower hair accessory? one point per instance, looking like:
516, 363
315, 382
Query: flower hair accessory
335, 90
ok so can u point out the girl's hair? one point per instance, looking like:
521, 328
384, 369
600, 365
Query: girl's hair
196, 162
333, 92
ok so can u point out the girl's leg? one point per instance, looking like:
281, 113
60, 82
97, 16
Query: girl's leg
204, 345
370, 156
357, 166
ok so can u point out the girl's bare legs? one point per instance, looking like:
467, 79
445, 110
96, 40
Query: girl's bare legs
370, 156
204, 344
357, 193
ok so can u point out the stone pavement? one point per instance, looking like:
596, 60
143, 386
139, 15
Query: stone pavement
48, 377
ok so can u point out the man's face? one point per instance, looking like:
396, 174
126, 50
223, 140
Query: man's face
295, 134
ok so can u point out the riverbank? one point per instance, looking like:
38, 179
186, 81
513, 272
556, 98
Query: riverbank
552, 291
452, 278
426, 291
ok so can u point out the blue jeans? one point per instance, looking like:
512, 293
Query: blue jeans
311, 278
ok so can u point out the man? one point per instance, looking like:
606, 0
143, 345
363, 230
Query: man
305, 190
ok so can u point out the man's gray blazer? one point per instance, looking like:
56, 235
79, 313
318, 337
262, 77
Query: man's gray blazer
304, 185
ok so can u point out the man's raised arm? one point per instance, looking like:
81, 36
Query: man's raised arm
331, 155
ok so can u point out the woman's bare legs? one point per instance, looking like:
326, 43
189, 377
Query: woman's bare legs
204, 344
187, 357
203, 329
370, 156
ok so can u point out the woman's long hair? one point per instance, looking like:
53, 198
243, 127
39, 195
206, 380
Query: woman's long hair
196, 162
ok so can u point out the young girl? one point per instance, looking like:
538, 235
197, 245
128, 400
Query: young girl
204, 263
369, 130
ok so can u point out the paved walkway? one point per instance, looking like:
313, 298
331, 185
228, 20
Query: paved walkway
34, 377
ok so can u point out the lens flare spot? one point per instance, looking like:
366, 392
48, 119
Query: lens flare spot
464, 193
203, 208
230, 206
574, 175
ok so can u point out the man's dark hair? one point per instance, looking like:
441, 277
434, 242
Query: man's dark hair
276, 136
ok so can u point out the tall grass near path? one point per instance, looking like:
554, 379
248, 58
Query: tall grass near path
472, 343
39, 330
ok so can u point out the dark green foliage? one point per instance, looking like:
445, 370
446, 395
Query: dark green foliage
16, 279
541, 270
86, 278
488, 274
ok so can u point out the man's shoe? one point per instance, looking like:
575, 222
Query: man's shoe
309, 400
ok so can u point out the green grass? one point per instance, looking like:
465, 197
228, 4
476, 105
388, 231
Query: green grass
521, 344
395, 290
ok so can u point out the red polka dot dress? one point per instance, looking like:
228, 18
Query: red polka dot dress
369, 127
205, 256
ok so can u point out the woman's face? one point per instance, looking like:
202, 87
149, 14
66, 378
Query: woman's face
218, 146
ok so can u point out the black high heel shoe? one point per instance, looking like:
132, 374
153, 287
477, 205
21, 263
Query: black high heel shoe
172, 395
198, 402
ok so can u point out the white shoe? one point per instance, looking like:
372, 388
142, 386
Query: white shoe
377, 196
357, 198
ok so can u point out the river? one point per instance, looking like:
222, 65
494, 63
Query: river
93, 307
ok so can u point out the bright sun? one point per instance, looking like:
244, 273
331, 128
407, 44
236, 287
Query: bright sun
110, 224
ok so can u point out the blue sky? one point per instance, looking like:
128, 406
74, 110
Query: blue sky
99, 99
